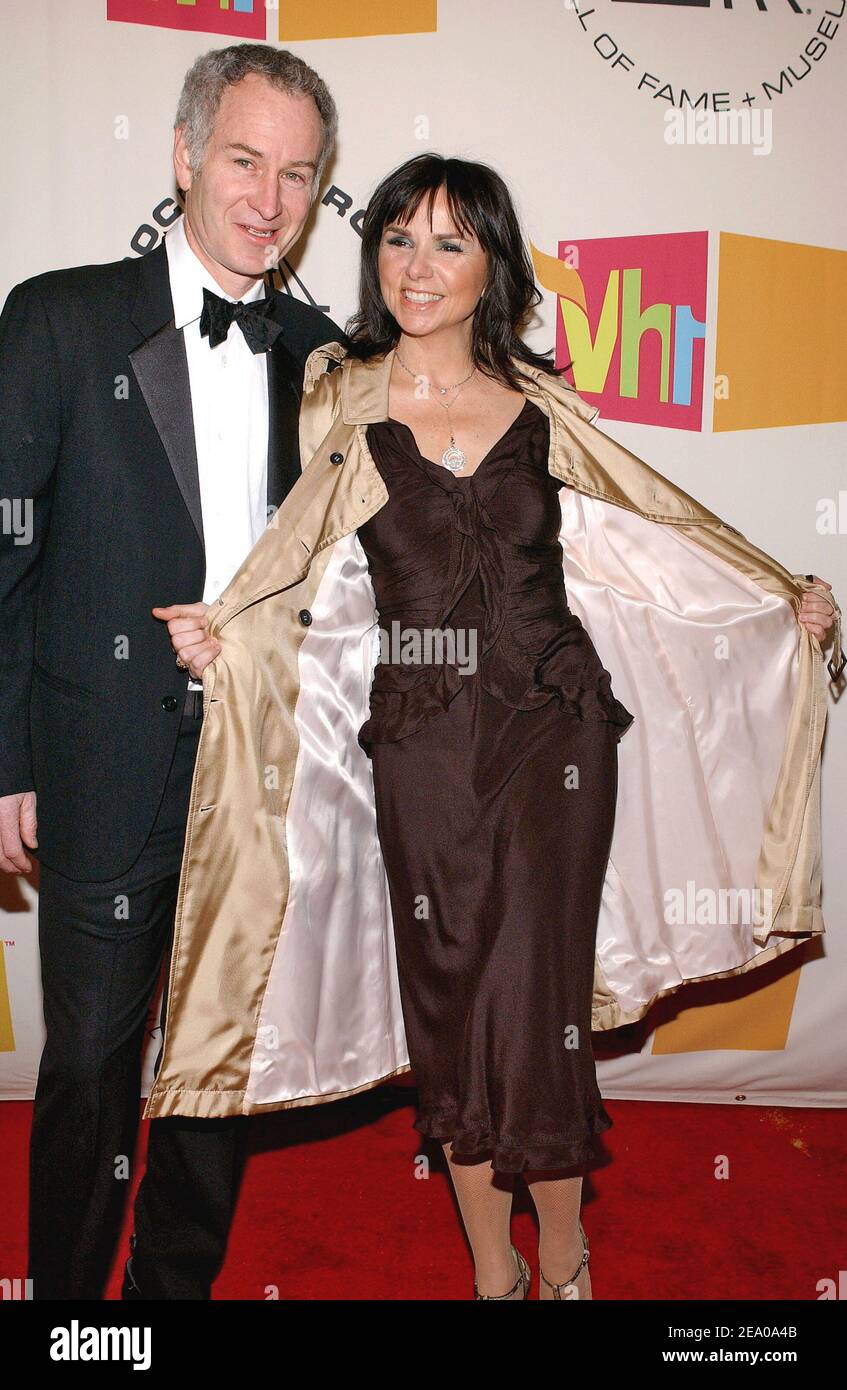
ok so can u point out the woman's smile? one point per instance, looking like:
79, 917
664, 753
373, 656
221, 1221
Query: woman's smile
420, 299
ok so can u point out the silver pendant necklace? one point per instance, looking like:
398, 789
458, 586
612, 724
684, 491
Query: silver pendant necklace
453, 458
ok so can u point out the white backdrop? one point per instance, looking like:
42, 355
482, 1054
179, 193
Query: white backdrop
574, 122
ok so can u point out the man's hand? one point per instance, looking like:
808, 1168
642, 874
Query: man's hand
189, 633
18, 825
816, 612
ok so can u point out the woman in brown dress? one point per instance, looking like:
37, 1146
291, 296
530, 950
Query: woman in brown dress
494, 754
493, 729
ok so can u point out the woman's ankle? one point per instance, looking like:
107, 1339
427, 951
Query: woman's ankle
497, 1274
558, 1259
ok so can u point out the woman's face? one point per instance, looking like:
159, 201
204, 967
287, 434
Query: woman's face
431, 277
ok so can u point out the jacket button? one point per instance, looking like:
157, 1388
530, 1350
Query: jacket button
169, 702
336, 458
305, 616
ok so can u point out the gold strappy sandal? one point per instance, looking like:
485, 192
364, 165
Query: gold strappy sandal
523, 1278
569, 1284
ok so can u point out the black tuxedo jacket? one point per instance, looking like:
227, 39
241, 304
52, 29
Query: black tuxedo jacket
97, 454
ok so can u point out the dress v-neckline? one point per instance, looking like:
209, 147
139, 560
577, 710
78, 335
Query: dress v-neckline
468, 477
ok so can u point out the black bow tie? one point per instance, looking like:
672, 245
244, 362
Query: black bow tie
254, 320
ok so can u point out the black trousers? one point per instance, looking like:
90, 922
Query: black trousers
101, 947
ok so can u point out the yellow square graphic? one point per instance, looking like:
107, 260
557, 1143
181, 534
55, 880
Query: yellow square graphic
355, 19
733, 1015
7, 1032
780, 341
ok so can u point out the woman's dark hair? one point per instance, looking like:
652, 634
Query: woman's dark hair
480, 202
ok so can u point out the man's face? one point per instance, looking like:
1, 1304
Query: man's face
248, 203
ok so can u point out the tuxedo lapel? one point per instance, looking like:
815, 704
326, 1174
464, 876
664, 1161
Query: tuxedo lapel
285, 376
160, 365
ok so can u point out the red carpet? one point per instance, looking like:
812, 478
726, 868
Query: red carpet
332, 1205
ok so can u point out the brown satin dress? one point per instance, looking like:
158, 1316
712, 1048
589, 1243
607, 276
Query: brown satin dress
495, 795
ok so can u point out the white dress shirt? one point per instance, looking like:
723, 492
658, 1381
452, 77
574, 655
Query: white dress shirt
229, 403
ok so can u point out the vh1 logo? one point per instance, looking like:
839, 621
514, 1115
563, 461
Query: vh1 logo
632, 319
243, 19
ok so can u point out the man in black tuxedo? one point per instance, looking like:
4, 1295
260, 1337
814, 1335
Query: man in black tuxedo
148, 411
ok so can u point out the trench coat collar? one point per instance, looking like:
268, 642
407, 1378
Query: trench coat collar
365, 387
321, 507
573, 456
580, 455
365, 401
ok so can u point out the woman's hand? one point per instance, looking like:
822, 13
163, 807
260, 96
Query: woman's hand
189, 633
817, 613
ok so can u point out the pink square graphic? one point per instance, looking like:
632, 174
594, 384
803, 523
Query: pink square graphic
241, 19
634, 324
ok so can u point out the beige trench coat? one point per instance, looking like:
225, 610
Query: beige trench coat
283, 986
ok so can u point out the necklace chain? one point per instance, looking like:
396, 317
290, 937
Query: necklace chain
441, 389
453, 457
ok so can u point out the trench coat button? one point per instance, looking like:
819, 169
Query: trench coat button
305, 616
336, 458
169, 702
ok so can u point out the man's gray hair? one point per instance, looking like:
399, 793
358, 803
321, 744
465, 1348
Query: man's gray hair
206, 80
